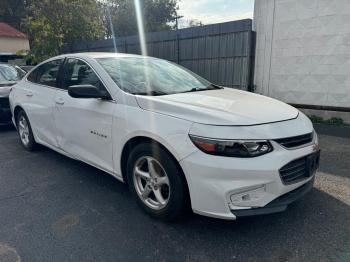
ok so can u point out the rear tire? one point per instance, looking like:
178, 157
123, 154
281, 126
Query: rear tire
25, 132
157, 182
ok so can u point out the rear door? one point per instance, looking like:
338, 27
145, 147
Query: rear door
38, 100
84, 126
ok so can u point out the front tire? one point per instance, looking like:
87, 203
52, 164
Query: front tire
157, 182
25, 132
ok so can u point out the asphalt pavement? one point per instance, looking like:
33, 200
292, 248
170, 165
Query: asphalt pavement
53, 208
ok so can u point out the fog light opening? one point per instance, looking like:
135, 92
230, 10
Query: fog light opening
243, 198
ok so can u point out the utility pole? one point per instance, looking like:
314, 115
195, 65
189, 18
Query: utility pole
177, 38
112, 29
177, 21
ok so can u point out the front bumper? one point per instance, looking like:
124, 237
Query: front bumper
219, 186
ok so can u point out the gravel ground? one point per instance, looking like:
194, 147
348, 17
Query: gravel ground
53, 208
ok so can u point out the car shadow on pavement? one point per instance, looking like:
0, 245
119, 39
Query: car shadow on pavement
310, 228
7, 128
82, 213
315, 228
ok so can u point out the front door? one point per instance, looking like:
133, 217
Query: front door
84, 126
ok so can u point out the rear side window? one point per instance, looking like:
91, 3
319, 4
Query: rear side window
47, 74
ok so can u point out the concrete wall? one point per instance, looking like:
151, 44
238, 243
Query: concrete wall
303, 51
12, 45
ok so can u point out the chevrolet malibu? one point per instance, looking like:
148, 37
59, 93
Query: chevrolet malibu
177, 140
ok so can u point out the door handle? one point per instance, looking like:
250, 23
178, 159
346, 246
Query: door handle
29, 93
59, 101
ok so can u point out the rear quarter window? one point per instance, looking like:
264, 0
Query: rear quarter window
46, 74
32, 76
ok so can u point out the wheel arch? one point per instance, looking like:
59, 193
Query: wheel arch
16, 110
132, 142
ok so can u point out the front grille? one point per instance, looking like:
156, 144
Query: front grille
299, 169
4, 102
295, 141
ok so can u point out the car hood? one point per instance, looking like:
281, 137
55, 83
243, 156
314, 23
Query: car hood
5, 88
220, 107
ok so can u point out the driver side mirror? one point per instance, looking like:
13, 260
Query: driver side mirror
87, 91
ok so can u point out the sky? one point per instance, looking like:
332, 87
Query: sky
215, 11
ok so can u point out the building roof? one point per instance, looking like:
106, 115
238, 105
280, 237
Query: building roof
8, 31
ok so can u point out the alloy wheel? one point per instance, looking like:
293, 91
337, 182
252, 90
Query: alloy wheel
151, 183
23, 129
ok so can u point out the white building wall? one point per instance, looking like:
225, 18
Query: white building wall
303, 51
13, 44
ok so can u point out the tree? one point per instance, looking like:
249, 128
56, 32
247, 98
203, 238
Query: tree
194, 23
158, 15
54, 23
50, 24
12, 12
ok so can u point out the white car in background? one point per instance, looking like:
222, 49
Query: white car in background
9, 76
176, 139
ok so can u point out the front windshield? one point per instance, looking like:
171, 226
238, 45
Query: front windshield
11, 73
151, 76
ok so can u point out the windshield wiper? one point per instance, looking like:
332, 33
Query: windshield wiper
150, 93
197, 89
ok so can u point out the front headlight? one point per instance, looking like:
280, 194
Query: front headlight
232, 148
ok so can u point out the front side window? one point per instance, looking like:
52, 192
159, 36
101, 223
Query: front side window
151, 76
46, 74
10, 73
78, 72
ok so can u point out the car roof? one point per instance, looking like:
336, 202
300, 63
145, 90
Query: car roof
94, 55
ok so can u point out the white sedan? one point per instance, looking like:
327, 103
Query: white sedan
177, 140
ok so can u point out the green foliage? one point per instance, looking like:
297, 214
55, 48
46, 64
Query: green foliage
335, 121
316, 119
53, 23
157, 14
194, 23
331, 121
